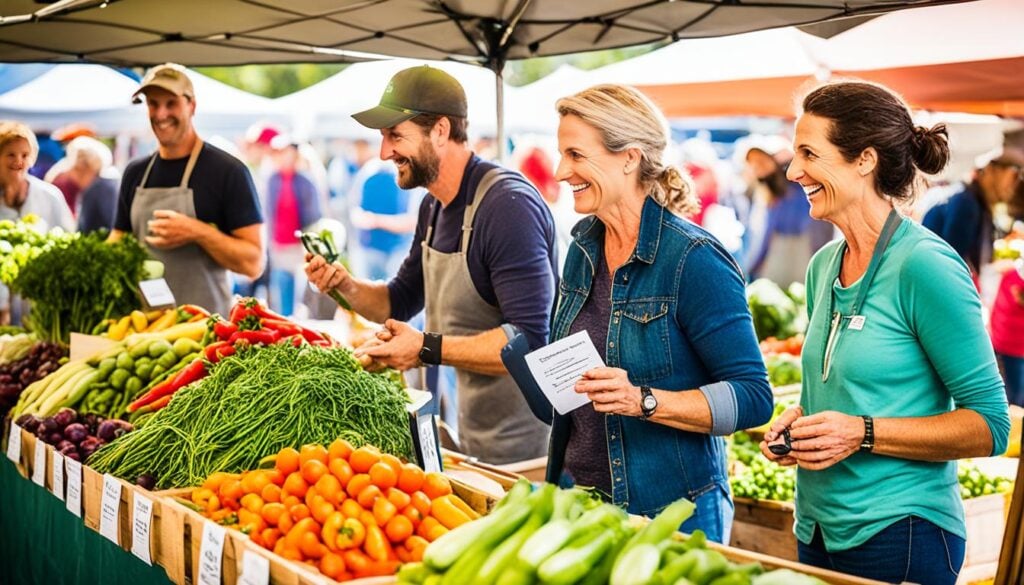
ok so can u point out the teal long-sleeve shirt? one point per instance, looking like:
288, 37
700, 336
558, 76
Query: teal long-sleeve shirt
923, 351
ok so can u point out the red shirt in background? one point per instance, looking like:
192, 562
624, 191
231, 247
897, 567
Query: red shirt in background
286, 215
1007, 320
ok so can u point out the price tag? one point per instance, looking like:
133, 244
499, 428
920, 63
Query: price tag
110, 508
73, 501
210, 553
255, 569
58, 475
430, 460
156, 293
142, 517
39, 464
14, 443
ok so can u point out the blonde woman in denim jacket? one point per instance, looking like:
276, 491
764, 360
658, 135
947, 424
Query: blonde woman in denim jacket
664, 304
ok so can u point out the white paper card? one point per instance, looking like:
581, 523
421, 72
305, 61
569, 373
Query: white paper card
255, 569
210, 553
14, 443
39, 463
58, 475
857, 322
142, 517
110, 508
428, 443
73, 501
156, 292
558, 366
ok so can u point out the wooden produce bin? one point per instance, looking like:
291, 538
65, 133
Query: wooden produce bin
92, 503
181, 523
737, 555
766, 527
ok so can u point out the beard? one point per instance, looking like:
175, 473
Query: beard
422, 169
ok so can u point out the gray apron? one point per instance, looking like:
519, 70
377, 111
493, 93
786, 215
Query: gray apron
495, 423
193, 276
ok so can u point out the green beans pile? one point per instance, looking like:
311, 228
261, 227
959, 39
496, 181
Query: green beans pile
255, 403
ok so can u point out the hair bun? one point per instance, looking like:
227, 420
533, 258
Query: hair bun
675, 191
931, 148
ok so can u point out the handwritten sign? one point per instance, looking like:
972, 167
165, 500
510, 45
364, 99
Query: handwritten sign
14, 443
110, 508
58, 475
142, 518
210, 552
39, 463
73, 501
255, 569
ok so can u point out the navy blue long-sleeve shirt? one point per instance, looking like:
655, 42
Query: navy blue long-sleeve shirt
511, 256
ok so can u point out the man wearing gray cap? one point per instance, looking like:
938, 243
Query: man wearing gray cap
192, 204
482, 265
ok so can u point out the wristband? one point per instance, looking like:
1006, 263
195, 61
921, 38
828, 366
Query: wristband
430, 353
869, 434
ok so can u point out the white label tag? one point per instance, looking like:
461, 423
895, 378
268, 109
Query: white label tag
73, 501
857, 322
210, 553
255, 569
58, 475
156, 293
142, 516
428, 443
14, 443
39, 463
110, 508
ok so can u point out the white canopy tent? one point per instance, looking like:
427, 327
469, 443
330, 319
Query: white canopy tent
325, 109
101, 97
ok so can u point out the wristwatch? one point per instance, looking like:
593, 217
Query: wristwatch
430, 353
648, 403
868, 443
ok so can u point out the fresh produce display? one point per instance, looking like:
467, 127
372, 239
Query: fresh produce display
151, 322
258, 401
777, 313
975, 483
42, 359
88, 380
783, 369
792, 346
73, 280
561, 537
250, 321
14, 346
1010, 247
126, 372
354, 512
753, 476
74, 435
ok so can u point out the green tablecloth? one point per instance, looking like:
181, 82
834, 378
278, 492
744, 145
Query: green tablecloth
41, 542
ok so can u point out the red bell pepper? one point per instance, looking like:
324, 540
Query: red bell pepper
285, 328
240, 311
218, 350
192, 372
264, 336
224, 329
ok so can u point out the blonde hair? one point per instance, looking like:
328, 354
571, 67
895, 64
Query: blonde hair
11, 130
627, 119
91, 152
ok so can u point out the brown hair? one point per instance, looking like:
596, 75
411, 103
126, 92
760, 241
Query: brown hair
458, 125
867, 115
11, 130
627, 119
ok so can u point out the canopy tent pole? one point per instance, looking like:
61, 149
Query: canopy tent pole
499, 92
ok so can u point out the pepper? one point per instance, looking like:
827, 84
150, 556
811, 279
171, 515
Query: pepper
194, 371
224, 329
218, 350
285, 328
264, 336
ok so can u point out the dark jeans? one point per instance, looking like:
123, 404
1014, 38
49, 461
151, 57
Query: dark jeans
1013, 373
911, 549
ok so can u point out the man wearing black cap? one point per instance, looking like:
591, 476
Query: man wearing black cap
482, 265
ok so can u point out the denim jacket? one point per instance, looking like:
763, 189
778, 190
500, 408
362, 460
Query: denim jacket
679, 321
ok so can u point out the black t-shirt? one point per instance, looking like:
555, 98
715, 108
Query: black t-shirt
222, 188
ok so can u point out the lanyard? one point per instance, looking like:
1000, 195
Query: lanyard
856, 318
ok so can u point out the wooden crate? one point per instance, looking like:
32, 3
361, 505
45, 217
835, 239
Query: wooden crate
92, 503
766, 527
737, 555
531, 469
181, 523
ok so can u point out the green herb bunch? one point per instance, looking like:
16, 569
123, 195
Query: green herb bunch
74, 281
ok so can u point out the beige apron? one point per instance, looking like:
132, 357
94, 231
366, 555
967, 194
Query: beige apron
193, 276
495, 423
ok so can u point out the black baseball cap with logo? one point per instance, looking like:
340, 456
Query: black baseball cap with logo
415, 91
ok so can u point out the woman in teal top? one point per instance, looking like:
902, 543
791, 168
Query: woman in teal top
899, 375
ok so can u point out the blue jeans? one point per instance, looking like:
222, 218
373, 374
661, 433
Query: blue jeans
1013, 374
713, 515
911, 549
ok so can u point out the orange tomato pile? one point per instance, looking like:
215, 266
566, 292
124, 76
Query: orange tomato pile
793, 345
349, 512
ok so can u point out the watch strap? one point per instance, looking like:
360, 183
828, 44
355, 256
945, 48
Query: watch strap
868, 443
430, 353
645, 392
